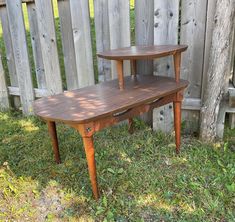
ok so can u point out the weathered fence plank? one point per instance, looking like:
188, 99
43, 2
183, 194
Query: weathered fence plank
166, 16
37, 92
47, 38
102, 37
144, 31
68, 44
119, 28
144, 35
4, 102
9, 52
36, 45
3, 2
8, 46
82, 41
17, 30
193, 20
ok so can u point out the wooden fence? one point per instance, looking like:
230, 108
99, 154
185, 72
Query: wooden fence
156, 22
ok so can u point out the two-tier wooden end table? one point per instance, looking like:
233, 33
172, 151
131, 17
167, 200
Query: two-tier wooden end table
93, 108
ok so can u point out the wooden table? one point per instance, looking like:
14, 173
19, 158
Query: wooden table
93, 108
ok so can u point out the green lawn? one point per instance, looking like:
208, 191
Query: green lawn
140, 177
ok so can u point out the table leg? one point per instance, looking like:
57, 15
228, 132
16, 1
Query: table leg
177, 63
90, 156
133, 67
130, 126
133, 73
177, 124
52, 132
120, 74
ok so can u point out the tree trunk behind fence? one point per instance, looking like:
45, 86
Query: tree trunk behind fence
219, 64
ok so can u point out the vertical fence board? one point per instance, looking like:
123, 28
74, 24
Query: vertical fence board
119, 27
193, 26
17, 30
4, 102
144, 35
68, 44
166, 16
9, 52
102, 37
8, 46
36, 45
82, 41
47, 36
144, 31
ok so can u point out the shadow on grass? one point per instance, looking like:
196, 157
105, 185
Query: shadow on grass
139, 176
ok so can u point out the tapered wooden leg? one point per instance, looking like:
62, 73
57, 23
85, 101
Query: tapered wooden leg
120, 74
133, 67
90, 156
54, 139
177, 124
130, 126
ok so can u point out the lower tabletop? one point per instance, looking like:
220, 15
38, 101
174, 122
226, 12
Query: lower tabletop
93, 102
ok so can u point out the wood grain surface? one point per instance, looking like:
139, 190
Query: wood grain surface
142, 52
94, 102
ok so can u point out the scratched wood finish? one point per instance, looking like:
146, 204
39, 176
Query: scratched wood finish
46, 27
82, 42
102, 38
68, 44
119, 28
17, 30
166, 20
4, 102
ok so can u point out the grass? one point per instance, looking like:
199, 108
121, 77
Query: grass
140, 177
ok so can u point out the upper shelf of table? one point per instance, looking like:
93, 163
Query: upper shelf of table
142, 52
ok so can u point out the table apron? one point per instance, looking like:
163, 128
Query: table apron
88, 129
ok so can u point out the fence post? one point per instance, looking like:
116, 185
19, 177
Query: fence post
102, 37
18, 37
166, 20
4, 102
82, 41
47, 36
